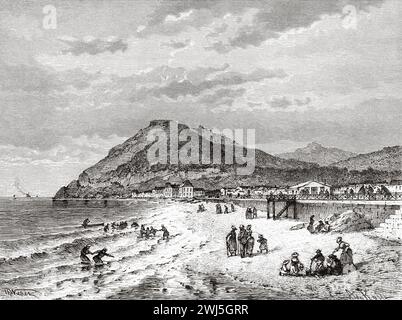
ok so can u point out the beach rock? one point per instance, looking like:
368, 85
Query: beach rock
298, 226
349, 221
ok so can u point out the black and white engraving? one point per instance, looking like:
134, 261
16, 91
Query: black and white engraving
188, 149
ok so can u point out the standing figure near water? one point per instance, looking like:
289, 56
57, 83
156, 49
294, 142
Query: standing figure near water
226, 209
152, 231
84, 252
346, 257
99, 255
310, 226
218, 208
263, 243
254, 213
86, 222
248, 213
232, 207
106, 228
242, 241
142, 231
165, 233
231, 242
249, 241
147, 233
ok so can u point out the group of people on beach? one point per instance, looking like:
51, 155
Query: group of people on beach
116, 226
319, 266
243, 243
251, 213
151, 232
201, 208
321, 227
226, 208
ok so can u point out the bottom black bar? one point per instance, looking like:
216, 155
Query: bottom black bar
200, 309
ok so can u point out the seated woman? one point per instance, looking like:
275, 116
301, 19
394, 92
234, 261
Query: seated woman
292, 267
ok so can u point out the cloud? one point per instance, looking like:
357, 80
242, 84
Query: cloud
250, 35
218, 30
94, 46
328, 67
179, 17
43, 172
68, 150
270, 20
223, 96
177, 44
27, 78
40, 80
22, 26
301, 102
176, 89
280, 103
285, 102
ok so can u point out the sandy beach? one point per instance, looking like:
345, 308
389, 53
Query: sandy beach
192, 264
201, 249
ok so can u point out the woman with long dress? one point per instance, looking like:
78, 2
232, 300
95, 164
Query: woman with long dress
231, 242
250, 241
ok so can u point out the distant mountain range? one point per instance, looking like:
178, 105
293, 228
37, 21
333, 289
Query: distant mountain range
126, 168
389, 159
316, 153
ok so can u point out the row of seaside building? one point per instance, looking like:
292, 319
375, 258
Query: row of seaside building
193, 189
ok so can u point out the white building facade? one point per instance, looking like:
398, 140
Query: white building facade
310, 187
186, 190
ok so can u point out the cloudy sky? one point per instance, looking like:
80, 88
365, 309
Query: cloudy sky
296, 71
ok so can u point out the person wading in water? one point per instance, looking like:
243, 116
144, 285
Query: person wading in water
86, 222
99, 255
165, 232
84, 252
142, 231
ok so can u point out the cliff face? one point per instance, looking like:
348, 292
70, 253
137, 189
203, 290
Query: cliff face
126, 167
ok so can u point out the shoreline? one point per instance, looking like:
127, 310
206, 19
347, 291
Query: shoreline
193, 264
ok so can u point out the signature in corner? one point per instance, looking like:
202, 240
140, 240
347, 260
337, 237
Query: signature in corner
20, 292
359, 294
